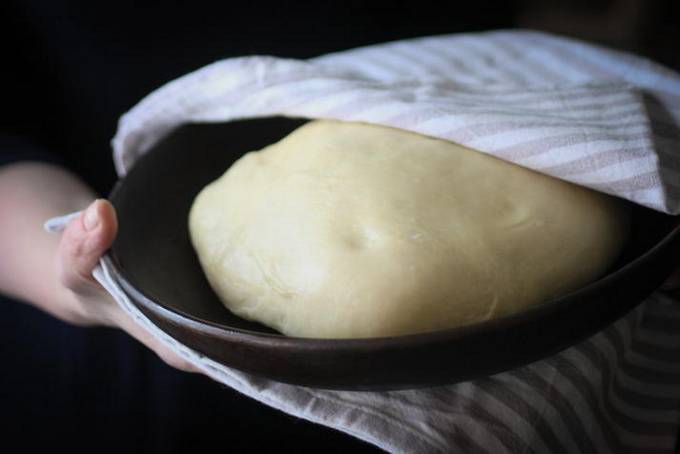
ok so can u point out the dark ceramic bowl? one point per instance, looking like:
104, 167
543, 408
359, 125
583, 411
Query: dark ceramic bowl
157, 267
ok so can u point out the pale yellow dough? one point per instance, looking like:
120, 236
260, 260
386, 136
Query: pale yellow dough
346, 230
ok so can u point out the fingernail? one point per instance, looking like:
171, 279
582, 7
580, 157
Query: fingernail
91, 219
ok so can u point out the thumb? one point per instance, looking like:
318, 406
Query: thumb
83, 242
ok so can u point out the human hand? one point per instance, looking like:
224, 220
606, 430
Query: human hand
82, 243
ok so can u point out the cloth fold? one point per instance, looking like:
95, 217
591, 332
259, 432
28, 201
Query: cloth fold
592, 116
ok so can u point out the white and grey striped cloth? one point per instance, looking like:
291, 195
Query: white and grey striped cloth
596, 117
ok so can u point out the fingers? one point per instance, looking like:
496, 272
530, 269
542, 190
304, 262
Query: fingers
83, 242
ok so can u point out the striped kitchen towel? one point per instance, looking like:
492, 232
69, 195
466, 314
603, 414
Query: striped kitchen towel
592, 116
595, 117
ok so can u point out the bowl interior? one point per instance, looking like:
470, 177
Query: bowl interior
153, 251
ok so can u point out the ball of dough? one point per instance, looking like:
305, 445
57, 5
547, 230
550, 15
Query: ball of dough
350, 230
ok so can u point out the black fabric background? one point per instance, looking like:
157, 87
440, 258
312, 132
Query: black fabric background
69, 70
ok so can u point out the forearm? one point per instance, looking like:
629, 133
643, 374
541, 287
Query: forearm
30, 193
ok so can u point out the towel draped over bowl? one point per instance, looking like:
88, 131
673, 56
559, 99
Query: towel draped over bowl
596, 117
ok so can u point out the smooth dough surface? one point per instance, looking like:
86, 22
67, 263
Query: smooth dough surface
346, 230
